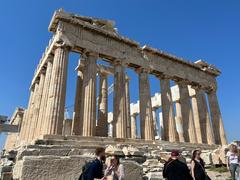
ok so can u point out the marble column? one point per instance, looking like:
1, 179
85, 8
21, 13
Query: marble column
77, 123
119, 109
25, 117
198, 117
154, 109
89, 95
179, 121
128, 107
102, 124
170, 131
217, 122
57, 90
146, 118
31, 110
34, 130
161, 125
42, 125
133, 126
187, 114
206, 126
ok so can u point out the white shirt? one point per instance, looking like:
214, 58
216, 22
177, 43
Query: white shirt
233, 158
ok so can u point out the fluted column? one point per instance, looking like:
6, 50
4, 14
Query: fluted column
89, 95
179, 122
102, 125
170, 131
42, 120
187, 115
25, 121
57, 90
34, 131
119, 109
133, 126
161, 125
217, 122
146, 118
206, 126
128, 107
198, 117
77, 123
155, 121
31, 110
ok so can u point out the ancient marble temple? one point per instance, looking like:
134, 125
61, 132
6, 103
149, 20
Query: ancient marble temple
190, 108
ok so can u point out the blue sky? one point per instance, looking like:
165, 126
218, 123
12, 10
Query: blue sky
208, 30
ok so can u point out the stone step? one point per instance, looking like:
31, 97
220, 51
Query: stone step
101, 141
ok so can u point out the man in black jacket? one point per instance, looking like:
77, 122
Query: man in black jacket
175, 169
94, 171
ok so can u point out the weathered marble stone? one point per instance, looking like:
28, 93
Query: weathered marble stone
49, 167
133, 151
207, 157
133, 170
114, 150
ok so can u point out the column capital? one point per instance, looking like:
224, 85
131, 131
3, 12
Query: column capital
93, 54
143, 70
120, 62
60, 43
211, 90
163, 76
181, 82
196, 86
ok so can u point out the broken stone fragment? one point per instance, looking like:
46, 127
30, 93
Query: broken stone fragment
114, 150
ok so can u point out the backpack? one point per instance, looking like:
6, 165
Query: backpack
85, 170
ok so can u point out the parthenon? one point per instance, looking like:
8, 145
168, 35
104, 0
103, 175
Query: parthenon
190, 108
139, 125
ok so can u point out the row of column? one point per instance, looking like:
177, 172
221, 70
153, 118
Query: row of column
192, 122
45, 112
84, 118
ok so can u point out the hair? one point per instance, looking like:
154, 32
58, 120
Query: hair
99, 150
194, 154
117, 159
233, 148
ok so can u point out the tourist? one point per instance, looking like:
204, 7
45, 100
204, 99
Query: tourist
197, 166
115, 169
94, 170
233, 161
175, 169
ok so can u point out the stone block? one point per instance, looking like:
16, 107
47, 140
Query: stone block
133, 170
27, 152
132, 151
49, 167
153, 176
207, 157
55, 152
114, 150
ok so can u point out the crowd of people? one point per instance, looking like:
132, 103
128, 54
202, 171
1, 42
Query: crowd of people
174, 169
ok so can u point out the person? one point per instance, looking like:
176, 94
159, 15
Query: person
233, 161
197, 166
175, 169
94, 169
115, 169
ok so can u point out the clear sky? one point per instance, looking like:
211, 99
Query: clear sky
208, 30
